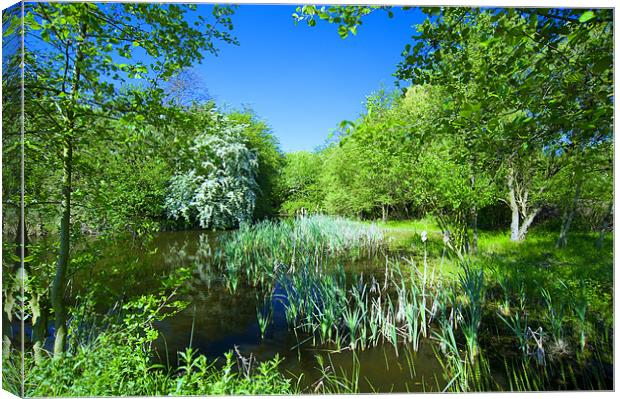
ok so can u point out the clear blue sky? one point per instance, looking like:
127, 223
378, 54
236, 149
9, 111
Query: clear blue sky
304, 80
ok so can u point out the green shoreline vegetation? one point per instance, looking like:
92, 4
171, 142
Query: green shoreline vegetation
469, 214
462, 309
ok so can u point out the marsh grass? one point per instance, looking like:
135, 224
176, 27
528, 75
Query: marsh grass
471, 282
264, 313
337, 380
555, 318
410, 301
517, 323
580, 309
318, 242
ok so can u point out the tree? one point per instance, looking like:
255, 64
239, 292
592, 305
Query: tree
12, 205
520, 81
515, 75
125, 186
299, 182
78, 59
584, 192
258, 138
369, 171
217, 188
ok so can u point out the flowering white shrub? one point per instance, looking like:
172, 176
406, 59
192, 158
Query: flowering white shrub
218, 191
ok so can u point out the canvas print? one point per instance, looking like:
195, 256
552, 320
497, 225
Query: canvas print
234, 199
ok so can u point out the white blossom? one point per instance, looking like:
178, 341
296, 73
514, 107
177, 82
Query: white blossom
219, 191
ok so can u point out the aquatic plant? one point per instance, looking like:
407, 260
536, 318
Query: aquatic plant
264, 313
504, 306
315, 241
580, 308
334, 380
518, 325
454, 367
555, 317
471, 282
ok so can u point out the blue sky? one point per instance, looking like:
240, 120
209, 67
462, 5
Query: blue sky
304, 80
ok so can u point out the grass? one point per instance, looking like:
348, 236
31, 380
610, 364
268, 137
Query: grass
318, 242
264, 314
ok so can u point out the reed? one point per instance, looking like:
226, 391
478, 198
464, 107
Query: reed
471, 282
518, 325
264, 313
454, 367
555, 318
580, 309
504, 306
334, 380
317, 241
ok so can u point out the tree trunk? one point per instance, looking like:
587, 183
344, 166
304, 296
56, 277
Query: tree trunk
60, 283
568, 217
514, 208
527, 221
466, 247
60, 279
14, 291
384, 213
21, 239
39, 332
518, 228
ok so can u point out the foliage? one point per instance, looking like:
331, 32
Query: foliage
348, 18
118, 361
217, 188
299, 183
259, 138
506, 106
129, 193
527, 94
81, 75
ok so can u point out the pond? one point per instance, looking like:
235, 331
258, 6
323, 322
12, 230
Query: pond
217, 321
331, 300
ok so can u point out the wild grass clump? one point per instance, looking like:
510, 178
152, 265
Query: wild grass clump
362, 314
334, 380
471, 283
315, 241
264, 313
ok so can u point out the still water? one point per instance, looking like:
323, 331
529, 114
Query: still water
223, 320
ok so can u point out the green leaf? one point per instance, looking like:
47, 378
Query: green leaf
586, 16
